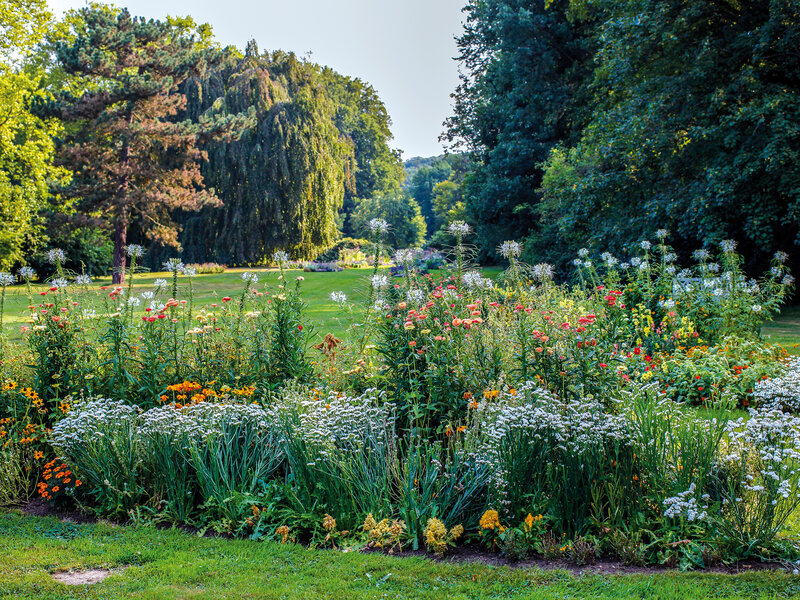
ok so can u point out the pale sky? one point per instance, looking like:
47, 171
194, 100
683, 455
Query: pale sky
404, 48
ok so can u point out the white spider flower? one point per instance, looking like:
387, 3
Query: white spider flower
83, 279
415, 296
379, 281
781, 256
756, 308
662, 234
510, 248
6, 279
543, 272
134, 251
160, 284
404, 257
378, 226
473, 279
55, 256
459, 228
787, 280
26, 273
60, 283
728, 245
339, 298
251, 277
645, 245
174, 265
583, 252
701, 254
189, 271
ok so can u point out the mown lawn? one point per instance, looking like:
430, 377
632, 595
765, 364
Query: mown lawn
172, 564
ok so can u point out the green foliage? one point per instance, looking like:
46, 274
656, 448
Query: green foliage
399, 210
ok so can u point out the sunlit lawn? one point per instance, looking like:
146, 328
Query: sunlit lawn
166, 564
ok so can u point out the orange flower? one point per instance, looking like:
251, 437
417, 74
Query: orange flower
38, 455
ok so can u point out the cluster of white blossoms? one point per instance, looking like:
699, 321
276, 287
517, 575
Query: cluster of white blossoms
379, 281
510, 249
339, 298
574, 427
404, 257
250, 278
174, 265
134, 251
55, 256
459, 228
782, 392
543, 272
160, 284
91, 419
662, 234
26, 273
83, 279
728, 245
60, 283
189, 271
645, 245
686, 506
6, 279
416, 296
378, 226
474, 280
609, 260
280, 257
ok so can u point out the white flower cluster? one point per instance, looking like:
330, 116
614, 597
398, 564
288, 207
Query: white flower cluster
378, 226
83, 279
379, 281
543, 272
474, 280
250, 277
509, 249
174, 265
134, 251
6, 279
575, 427
60, 283
686, 506
459, 228
189, 271
26, 273
280, 257
701, 254
339, 297
416, 296
609, 259
404, 257
55, 256
728, 245
160, 284
89, 420
782, 392
346, 423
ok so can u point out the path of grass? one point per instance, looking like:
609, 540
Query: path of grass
785, 329
171, 564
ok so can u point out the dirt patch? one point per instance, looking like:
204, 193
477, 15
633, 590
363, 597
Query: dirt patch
89, 577
38, 507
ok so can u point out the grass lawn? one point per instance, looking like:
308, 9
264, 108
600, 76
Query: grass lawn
785, 329
171, 564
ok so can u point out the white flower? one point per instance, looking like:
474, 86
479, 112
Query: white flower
636, 261
781, 256
379, 281
543, 272
588, 264
134, 301
645, 245
134, 251
662, 234
55, 256
787, 280
728, 245
415, 296
583, 252
83, 279
339, 297
458, 228
173, 265
670, 257
701, 254
644, 265
609, 259
624, 266
26, 273
59, 283
147, 295
160, 284
378, 226
6, 279
713, 267
404, 257
671, 269
280, 257
577, 262
189, 271
251, 277
776, 271
473, 279
510, 248
756, 308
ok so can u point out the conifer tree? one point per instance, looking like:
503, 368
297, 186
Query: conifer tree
134, 162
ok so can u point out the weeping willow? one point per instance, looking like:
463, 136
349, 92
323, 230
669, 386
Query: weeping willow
283, 181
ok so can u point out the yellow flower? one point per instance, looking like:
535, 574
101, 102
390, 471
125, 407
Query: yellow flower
490, 520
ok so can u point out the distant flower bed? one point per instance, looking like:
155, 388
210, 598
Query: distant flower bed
318, 267
208, 268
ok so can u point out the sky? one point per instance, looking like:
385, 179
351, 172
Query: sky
404, 49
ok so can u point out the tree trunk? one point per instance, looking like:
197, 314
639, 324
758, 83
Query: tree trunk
120, 242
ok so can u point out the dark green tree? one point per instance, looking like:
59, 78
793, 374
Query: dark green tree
282, 182
525, 66
134, 162
696, 128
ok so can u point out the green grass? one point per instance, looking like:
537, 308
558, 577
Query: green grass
785, 329
172, 564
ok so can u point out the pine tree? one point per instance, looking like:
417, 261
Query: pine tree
134, 162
